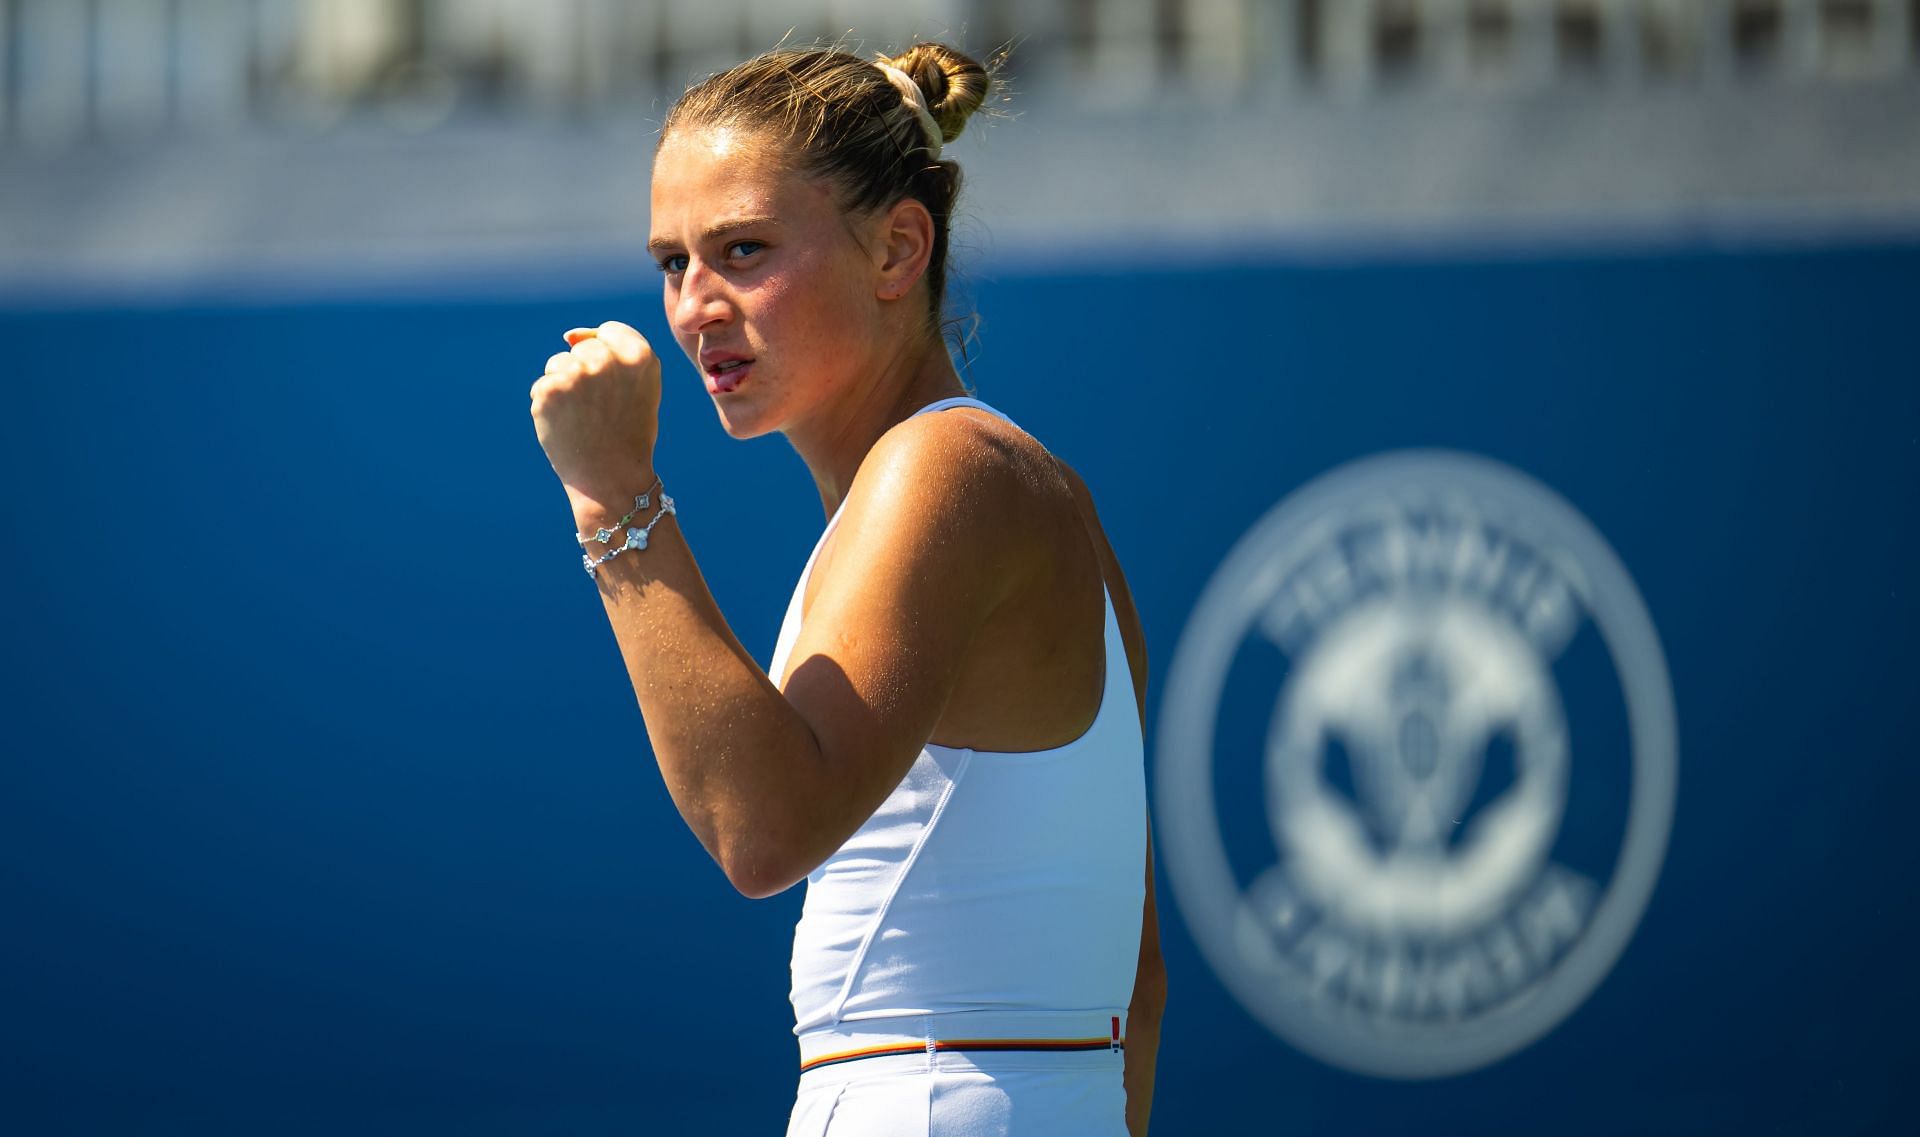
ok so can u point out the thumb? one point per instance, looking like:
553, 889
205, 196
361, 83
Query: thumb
575, 335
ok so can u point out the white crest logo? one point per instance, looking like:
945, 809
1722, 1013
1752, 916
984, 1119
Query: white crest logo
1411, 918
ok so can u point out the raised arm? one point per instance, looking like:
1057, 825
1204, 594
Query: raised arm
772, 781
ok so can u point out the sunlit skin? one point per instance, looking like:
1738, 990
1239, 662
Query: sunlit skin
760, 260
969, 627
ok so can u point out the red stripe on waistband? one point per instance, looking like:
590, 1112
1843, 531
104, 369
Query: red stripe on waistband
1056, 1045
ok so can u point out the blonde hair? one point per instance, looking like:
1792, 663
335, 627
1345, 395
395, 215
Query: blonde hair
846, 121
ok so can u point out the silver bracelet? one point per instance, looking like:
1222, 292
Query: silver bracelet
636, 537
639, 503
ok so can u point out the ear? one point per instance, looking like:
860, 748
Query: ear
905, 246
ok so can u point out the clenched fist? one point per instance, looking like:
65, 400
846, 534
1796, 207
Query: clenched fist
597, 409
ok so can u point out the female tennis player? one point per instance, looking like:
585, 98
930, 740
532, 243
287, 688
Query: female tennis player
947, 746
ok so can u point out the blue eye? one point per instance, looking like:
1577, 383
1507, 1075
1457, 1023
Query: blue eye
746, 248
676, 262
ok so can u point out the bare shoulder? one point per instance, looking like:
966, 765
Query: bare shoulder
967, 475
970, 449
1012, 469
954, 493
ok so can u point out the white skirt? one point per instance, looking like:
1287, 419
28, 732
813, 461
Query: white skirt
1073, 1086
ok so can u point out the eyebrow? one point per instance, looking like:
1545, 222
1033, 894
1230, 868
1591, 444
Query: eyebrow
719, 230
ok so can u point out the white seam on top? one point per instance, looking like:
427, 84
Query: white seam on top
959, 400
880, 914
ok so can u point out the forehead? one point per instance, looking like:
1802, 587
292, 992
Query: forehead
710, 173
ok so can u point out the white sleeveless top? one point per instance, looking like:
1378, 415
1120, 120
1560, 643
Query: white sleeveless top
987, 880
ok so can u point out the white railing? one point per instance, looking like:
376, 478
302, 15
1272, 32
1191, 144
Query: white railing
79, 69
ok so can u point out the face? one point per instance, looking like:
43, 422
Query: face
770, 287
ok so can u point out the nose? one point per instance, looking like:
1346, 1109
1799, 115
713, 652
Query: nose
702, 303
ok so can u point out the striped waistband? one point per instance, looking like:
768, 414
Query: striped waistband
963, 1032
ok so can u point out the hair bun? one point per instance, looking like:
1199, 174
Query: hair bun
955, 84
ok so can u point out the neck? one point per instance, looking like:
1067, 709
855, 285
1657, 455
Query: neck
835, 442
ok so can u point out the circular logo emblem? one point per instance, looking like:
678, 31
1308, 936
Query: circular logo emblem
1416, 764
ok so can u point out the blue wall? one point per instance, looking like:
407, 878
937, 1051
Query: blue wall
326, 805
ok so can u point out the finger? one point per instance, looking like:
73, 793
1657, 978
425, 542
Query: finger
575, 335
593, 354
628, 345
563, 363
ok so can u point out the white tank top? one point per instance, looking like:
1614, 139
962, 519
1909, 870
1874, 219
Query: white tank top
986, 879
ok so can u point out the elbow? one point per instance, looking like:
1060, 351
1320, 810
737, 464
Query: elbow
758, 873
757, 886
762, 841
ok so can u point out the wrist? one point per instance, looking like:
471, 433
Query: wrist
601, 529
611, 492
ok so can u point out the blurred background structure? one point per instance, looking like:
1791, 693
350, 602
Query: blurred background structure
169, 139
1550, 362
